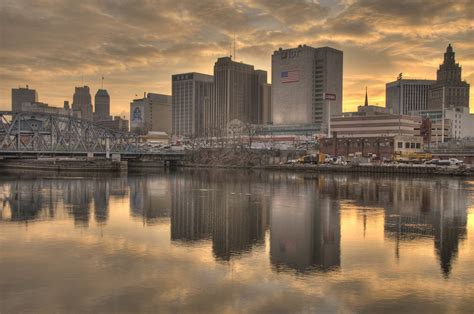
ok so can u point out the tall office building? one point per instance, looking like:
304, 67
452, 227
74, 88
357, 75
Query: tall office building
407, 95
102, 106
300, 77
266, 99
151, 113
23, 95
237, 95
82, 102
448, 78
192, 94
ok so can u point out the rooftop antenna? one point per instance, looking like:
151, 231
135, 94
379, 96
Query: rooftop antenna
102, 84
235, 56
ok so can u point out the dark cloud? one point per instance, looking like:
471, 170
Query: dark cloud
142, 42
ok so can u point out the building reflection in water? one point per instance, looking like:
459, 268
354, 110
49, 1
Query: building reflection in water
38, 199
150, 199
234, 209
305, 233
230, 211
435, 209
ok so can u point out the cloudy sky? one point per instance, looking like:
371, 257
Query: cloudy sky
137, 44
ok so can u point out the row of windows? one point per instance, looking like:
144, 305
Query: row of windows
409, 145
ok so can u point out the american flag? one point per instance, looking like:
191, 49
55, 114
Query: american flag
290, 76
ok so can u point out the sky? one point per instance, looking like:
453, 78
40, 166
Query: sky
136, 45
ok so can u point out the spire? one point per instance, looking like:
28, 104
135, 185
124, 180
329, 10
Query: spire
449, 55
366, 98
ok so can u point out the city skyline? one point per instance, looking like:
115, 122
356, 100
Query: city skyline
137, 46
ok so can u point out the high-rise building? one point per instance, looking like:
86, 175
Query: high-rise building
300, 77
238, 89
151, 113
406, 95
449, 84
192, 94
102, 106
82, 102
21, 95
266, 100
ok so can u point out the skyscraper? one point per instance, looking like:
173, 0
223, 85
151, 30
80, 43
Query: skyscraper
102, 106
449, 80
237, 95
21, 95
82, 102
300, 77
407, 95
192, 94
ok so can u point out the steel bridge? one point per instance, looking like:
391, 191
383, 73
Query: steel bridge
36, 133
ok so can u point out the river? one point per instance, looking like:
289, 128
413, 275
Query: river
236, 241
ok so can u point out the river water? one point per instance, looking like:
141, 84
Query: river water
228, 241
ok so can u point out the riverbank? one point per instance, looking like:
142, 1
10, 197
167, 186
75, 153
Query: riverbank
64, 165
369, 168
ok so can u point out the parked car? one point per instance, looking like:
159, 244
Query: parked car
455, 161
432, 162
444, 162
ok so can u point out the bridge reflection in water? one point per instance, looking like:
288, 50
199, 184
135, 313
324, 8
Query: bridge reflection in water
238, 212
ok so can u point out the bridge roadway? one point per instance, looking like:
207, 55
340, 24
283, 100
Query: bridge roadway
168, 157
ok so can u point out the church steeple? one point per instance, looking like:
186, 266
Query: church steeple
449, 55
366, 98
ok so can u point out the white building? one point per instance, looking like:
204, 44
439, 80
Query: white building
407, 95
300, 77
461, 122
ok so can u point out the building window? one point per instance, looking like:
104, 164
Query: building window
400, 144
407, 145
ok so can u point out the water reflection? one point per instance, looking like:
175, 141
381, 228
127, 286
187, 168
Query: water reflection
236, 211
230, 211
150, 199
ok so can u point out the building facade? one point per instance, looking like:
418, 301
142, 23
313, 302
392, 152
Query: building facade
21, 95
238, 95
44, 108
192, 94
82, 102
151, 113
117, 124
384, 147
300, 77
102, 106
459, 120
405, 95
375, 125
449, 90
